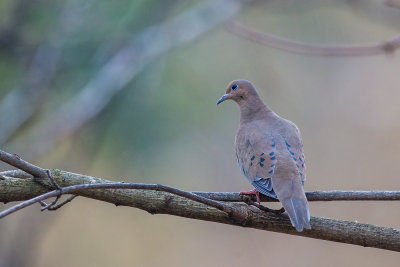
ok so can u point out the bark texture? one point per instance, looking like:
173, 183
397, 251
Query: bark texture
158, 202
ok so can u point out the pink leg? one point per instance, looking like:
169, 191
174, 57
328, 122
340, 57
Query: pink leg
252, 192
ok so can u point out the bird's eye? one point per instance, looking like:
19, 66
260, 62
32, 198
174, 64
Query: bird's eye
234, 87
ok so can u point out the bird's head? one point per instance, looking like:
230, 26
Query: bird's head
238, 91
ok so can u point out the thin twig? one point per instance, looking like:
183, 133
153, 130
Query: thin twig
42, 203
333, 195
55, 184
387, 47
16, 161
59, 205
47, 206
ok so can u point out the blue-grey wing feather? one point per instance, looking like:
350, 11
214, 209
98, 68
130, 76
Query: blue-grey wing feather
264, 185
294, 146
262, 168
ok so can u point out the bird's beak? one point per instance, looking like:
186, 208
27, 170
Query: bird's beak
222, 99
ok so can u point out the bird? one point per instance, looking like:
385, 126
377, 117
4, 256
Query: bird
269, 152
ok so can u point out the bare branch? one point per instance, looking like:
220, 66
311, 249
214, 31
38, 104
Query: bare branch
44, 205
287, 45
166, 203
333, 195
16, 161
59, 205
76, 188
16, 174
392, 3
156, 198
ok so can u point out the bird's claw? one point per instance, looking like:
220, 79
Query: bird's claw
252, 192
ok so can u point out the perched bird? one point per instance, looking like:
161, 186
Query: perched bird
269, 152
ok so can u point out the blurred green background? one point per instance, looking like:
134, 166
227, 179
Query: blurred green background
161, 125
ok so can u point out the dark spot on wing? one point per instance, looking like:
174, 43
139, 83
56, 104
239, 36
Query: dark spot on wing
287, 144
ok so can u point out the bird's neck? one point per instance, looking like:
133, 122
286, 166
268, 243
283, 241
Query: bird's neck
254, 109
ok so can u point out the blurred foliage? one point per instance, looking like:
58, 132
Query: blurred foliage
164, 127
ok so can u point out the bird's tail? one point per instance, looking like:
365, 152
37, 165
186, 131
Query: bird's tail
297, 209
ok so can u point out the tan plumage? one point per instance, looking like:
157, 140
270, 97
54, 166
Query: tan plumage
269, 151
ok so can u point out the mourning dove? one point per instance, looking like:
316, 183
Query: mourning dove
269, 152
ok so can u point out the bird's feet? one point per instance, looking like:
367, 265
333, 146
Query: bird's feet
261, 207
252, 192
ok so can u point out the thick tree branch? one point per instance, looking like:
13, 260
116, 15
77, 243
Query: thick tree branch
121, 185
12, 189
287, 45
331, 195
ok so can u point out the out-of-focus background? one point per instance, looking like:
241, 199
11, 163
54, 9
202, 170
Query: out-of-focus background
126, 90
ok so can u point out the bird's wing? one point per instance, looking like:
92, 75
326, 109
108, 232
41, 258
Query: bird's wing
294, 145
288, 183
258, 165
